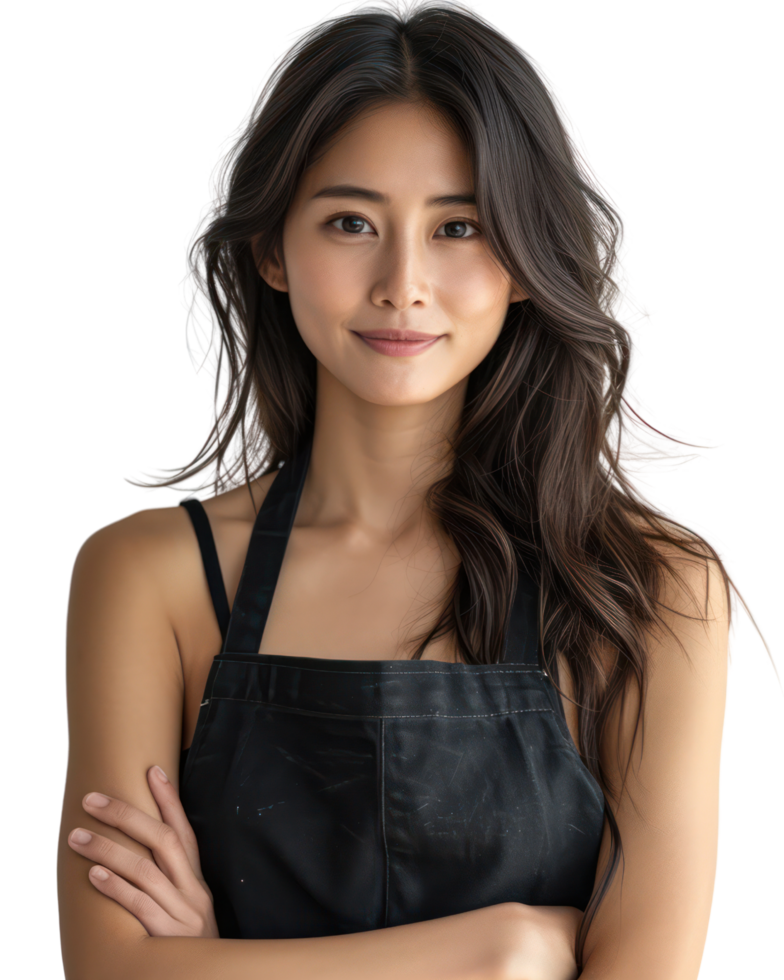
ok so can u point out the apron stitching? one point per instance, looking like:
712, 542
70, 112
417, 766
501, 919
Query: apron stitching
336, 714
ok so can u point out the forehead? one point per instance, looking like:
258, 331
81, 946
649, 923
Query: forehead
405, 151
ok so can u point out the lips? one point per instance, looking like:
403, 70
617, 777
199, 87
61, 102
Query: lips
398, 348
391, 334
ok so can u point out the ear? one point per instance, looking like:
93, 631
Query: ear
271, 270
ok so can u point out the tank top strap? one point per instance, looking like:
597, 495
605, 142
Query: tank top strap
209, 557
263, 561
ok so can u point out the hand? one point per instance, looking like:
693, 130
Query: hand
536, 942
171, 897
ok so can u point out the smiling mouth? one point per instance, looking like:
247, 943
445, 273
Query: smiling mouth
396, 333
398, 348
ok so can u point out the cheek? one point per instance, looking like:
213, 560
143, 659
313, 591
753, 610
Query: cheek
475, 298
474, 289
323, 289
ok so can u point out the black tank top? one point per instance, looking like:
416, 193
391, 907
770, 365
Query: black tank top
334, 796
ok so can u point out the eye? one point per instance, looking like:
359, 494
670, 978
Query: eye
459, 229
357, 234
350, 223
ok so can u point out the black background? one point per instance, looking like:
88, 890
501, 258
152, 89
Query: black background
133, 124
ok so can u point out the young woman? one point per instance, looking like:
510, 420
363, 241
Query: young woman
407, 663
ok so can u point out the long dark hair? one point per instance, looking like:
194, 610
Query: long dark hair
536, 481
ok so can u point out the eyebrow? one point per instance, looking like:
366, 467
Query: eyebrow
350, 190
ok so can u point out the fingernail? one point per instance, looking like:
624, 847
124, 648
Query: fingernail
161, 774
99, 873
96, 799
81, 837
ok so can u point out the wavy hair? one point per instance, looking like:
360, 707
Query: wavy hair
536, 481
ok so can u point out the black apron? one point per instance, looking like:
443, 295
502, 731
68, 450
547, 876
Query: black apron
334, 796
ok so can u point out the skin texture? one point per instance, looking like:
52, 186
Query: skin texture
378, 417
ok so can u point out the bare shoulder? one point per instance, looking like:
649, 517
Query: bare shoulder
692, 580
694, 602
157, 547
693, 585
150, 535
676, 530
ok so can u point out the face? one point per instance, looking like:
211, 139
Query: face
390, 280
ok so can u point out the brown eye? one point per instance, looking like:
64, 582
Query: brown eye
346, 219
460, 224
349, 218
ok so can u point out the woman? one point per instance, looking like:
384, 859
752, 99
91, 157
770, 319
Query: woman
441, 613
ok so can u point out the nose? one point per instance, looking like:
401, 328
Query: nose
402, 279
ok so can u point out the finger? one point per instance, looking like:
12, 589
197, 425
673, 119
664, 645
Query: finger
159, 837
154, 919
134, 868
173, 813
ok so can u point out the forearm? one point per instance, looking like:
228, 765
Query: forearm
470, 946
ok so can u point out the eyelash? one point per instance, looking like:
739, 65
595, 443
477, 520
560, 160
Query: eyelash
452, 221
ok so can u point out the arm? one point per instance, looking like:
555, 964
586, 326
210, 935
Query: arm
456, 947
654, 920
539, 942
171, 899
